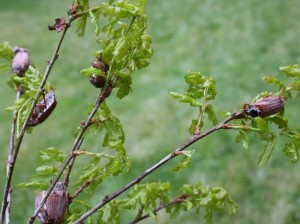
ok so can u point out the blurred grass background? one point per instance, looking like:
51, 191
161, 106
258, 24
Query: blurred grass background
235, 42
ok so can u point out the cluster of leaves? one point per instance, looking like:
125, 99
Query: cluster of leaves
270, 128
199, 196
201, 90
50, 160
105, 164
125, 45
149, 198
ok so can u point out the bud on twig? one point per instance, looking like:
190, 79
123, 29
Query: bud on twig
21, 61
55, 207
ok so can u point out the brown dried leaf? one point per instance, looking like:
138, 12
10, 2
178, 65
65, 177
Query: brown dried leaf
60, 24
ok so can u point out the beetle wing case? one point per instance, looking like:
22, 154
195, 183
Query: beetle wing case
265, 107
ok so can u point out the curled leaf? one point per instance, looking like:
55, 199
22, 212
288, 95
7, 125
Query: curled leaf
59, 25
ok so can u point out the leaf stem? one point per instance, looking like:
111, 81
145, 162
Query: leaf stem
10, 156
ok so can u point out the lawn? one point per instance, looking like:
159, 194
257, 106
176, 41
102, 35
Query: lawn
235, 42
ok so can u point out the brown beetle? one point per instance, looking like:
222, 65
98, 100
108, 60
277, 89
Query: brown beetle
98, 80
55, 206
265, 106
43, 109
21, 61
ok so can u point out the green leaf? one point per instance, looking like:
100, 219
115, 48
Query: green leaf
94, 14
292, 151
147, 197
33, 186
144, 53
210, 198
272, 80
193, 126
121, 50
185, 161
186, 99
209, 110
82, 6
291, 70
268, 149
261, 124
51, 154
243, 137
280, 121
107, 54
90, 71
6, 53
124, 84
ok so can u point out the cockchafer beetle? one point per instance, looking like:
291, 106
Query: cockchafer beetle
43, 109
21, 61
265, 106
55, 206
98, 80
100, 65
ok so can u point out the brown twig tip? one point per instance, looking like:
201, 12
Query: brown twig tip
227, 126
182, 197
82, 123
72, 12
106, 198
176, 153
76, 153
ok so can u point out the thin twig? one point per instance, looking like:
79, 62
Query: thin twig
79, 190
23, 130
10, 156
170, 156
177, 200
70, 167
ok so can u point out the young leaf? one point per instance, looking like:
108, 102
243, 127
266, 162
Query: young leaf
82, 6
242, 136
7, 54
185, 161
209, 110
94, 14
124, 84
292, 151
291, 70
51, 154
6, 51
268, 149
276, 82
186, 99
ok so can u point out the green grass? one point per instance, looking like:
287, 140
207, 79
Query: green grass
236, 42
